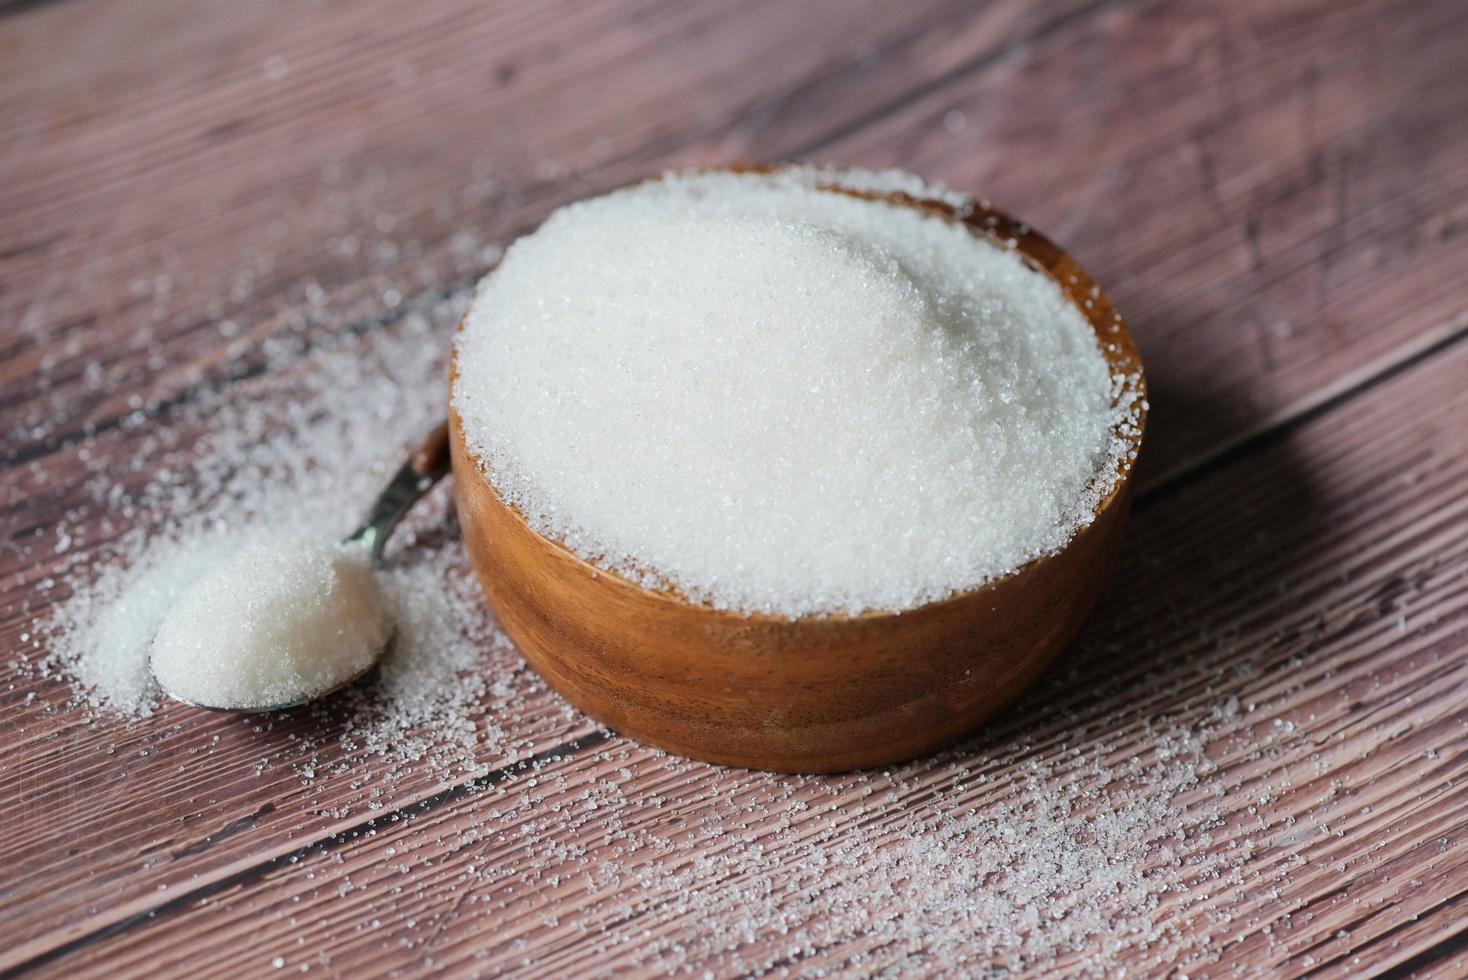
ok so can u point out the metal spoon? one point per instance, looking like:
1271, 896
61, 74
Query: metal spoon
428, 464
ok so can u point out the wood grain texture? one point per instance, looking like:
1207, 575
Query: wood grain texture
1345, 769
266, 158
146, 313
1273, 193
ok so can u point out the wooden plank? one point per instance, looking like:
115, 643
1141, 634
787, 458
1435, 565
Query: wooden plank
1386, 301
1190, 279
278, 161
1273, 194
1304, 610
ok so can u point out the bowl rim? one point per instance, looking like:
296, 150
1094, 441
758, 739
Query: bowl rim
1113, 340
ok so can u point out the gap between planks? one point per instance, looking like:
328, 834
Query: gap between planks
323, 844
1415, 351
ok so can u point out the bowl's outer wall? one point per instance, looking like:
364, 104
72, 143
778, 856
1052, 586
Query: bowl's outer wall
812, 694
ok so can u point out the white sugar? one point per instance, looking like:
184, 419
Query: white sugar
115, 622
276, 623
296, 455
782, 399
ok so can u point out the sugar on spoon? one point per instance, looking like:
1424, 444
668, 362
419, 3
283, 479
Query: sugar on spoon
284, 623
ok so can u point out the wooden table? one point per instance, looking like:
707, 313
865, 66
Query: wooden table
1275, 193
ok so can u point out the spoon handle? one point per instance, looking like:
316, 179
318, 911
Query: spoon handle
428, 464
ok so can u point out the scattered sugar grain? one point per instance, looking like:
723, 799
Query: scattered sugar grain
104, 632
297, 455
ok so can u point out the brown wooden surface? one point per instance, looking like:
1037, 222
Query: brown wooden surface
1275, 194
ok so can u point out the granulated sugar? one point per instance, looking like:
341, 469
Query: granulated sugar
298, 456
934, 865
782, 399
108, 627
275, 623
1054, 842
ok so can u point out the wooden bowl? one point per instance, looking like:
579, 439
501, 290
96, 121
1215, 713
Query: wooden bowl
815, 694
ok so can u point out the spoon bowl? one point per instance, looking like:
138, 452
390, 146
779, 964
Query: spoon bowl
305, 698
244, 628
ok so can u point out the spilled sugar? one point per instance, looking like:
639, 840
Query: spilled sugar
782, 399
1055, 841
1012, 854
298, 456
